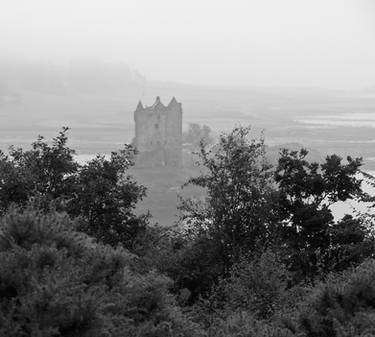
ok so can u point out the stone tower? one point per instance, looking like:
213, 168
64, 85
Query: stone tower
158, 134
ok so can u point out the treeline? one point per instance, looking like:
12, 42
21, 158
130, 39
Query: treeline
262, 255
77, 78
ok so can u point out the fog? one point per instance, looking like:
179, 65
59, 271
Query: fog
301, 72
319, 43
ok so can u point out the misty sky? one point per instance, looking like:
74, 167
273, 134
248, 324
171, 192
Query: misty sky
324, 43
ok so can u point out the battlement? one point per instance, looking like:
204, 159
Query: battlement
158, 133
159, 106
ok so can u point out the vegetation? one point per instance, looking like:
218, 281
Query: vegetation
55, 281
98, 192
262, 255
197, 133
306, 190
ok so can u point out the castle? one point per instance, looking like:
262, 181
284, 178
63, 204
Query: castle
158, 134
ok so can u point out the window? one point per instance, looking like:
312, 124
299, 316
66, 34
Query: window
156, 126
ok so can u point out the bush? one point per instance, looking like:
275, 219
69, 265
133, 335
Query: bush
342, 306
55, 281
244, 324
258, 285
104, 196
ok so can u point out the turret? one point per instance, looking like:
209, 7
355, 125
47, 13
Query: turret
139, 106
158, 104
173, 102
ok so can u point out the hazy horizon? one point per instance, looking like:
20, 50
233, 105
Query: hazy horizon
293, 43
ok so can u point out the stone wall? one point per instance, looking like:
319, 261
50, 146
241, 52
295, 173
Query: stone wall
158, 134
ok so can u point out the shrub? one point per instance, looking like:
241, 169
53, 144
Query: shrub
257, 285
55, 281
242, 323
342, 306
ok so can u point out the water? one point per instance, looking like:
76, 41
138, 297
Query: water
339, 209
359, 119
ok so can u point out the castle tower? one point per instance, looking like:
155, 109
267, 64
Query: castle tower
158, 133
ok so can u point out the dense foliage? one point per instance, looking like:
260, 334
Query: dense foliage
237, 215
55, 281
41, 173
99, 192
261, 255
105, 198
306, 190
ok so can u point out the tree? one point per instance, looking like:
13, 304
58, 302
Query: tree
99, 192
105, 198
306, 190
42, 173
197, 133
236, 216
351, 243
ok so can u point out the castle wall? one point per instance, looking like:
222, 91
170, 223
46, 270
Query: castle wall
158, 134
174, 137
